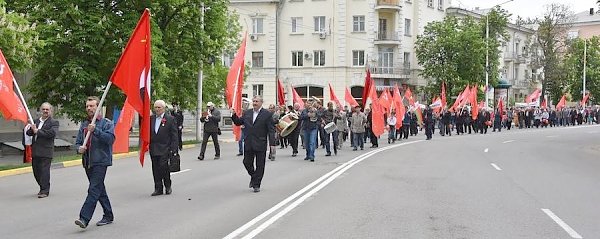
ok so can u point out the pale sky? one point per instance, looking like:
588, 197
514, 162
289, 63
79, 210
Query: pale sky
526, 8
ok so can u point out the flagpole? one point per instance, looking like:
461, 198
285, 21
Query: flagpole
87, 136
23, 100
584, 66
235, 89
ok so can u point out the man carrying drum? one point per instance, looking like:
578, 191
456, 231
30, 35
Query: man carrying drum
329, 117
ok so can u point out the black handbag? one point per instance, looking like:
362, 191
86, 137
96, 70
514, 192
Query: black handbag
175, 163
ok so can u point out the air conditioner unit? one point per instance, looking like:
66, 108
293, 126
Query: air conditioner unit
322, 35
253, 37
307, 55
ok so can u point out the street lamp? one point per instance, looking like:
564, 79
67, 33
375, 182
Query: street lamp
487, 56
200, 78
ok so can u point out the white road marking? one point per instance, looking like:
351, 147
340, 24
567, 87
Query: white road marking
582, 126
486, 150
182, 171
324, 180
562, 224
496, 167
508, 141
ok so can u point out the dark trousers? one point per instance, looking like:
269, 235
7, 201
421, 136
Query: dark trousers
256, 173
41, 172
405, 129
161, 172
327, 139
215, 139
428, 129
374, 139
180, 141
293, 139
448, 131
96, 193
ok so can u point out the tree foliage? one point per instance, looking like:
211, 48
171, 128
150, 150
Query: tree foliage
18, 38
454, 51
574, 64
81, 42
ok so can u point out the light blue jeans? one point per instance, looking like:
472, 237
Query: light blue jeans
310, 139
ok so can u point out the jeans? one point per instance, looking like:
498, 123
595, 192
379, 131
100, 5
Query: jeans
310, 139
96, 193
392, 133
358, 140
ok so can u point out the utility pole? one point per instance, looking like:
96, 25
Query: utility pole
200, 79
487, 56
584, 66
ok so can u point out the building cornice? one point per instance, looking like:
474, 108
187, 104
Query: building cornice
461, 11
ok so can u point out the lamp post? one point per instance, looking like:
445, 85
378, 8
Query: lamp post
487, 56
584, 66
200, 79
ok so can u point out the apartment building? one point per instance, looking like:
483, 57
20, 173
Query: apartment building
586, 24
518, 76
309, 44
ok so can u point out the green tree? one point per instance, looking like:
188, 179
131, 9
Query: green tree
574, 65
18, 38
81, 42
454, 51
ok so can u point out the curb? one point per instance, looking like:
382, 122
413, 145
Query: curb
71, 163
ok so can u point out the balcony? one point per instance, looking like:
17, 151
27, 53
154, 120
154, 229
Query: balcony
391, 72
388, 5
388, 38
509, 56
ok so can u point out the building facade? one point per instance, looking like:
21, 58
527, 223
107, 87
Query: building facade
310, 44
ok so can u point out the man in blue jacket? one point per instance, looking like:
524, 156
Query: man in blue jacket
97, 156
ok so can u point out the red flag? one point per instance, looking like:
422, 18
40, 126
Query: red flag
297, 98
544, 104
461, 97
367, 88
349, 99
334, 98
436, 105
416, 107
399, 106
444, 103
534, 96
280, 93
467, 94
585, 99
385, 100
501, 106
378, 123
132, 75
27, 154
10, 105
234, 84
561, 104
121, 144
474, 106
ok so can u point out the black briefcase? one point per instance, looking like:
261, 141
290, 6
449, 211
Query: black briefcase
175, 163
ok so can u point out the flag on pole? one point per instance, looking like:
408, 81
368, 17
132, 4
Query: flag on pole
443, 99
235, 82
280, 92
561, 104
297, 98
349, 99
436, 104
534, 96
132, 75
474, 106
10, 105
585, 99
367, 89
385, 100
377, 118
416, 106
334, 98
122, 126
399, 106
544, 104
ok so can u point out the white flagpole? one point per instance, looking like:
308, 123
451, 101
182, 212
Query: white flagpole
87, 136
23, 100
235, 89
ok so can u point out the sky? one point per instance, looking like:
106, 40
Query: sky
526, 8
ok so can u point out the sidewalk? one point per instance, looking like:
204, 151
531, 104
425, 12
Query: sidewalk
226, 137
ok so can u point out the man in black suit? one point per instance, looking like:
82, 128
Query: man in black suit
42, 133
211, 129
258, 123
163, 145
179, 118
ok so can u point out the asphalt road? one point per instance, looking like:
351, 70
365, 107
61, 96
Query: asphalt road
540, 183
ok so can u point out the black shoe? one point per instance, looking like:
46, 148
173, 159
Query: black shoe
103, 222
306, 158
168, 191
217, 157
200, 157
256, 189
81, 223
354, 149
42, 195
239, 154
328, 154
294, 154
156, 193
312, 160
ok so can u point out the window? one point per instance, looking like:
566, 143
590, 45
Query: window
440, 4
430, 3
320, 24
257, 90
257, 26
358, 23
296, 24
319, 58
358, 58
257, 59
297, 58
407, 60
407, 27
